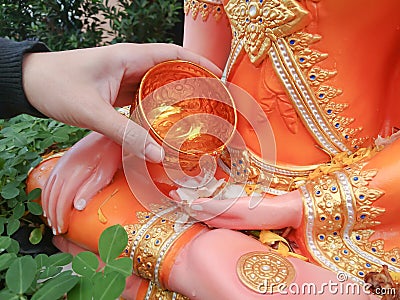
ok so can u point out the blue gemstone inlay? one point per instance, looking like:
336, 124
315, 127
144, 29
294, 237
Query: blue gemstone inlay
337, 258
358, 237
318, 193
218, 8
361, 197
292, 42
247, 20
337, 218
368, 265
329, 111
237, 173
373, 249
334, 233
205, 5
321, 95
393, 259
355, 178
334, 189
313, 77
138, 259
363, 217
245, 171
157, 242
321, 237
147, 217
260, 20
302, 59
345, 251
361, 273
337, 125
240, 161
234, 164
346, 137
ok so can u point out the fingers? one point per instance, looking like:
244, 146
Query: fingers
169, 51
134, 138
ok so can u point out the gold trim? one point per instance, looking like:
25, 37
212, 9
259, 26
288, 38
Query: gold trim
205, 8
265, 272
340, 217
154, 292
150, 240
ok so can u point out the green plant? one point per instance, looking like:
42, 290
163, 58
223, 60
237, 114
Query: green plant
61, 24
143, 20
43, 277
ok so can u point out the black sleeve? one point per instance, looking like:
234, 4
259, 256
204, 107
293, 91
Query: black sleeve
12, 96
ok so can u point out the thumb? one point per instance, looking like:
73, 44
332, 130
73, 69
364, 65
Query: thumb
134, 138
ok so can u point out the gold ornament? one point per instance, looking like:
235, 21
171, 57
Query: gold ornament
150, 239
205, 8
340, 218
265, 272
156, 293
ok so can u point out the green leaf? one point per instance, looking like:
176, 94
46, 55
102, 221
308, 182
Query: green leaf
5, 242
85, 264
41, 260
18, 211
56, 287
35, 208
9, 191
34, 194
21, 274
12, 226
112, 242
109, 286
123, 266
82, 291
50, 271
6, 259
36, 236
8, 295
60, 259
14, 247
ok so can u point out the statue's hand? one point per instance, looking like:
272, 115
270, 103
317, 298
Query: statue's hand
249, 212
83, 171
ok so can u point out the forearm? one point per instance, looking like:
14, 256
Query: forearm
13, 100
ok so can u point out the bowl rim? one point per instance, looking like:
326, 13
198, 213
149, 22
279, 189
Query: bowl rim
142, 115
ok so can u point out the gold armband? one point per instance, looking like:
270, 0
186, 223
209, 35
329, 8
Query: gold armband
156, 293
340, 216
150, 240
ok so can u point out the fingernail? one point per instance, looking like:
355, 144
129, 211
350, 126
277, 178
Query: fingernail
54, 231
44, 213
80, 204
59, 229
197, 207
154, 153
49, 222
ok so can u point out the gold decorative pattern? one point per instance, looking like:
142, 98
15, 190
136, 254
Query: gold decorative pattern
265, 272
205, 8
150, 239
259, 23
247, 168
323, 95
340, 219
156, 293
274, 28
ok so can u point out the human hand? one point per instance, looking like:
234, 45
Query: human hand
78, 175
81, 87
238, 213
